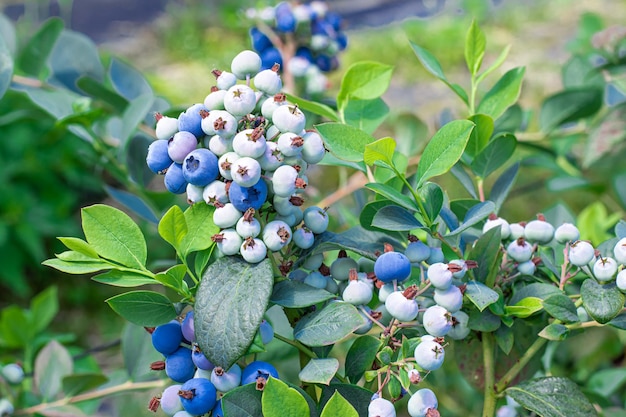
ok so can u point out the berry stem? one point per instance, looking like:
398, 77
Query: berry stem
504, 382
308, 352
489, 403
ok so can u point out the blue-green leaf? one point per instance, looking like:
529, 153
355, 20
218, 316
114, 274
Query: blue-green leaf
503, 94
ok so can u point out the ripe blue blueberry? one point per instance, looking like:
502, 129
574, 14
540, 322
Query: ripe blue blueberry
191, 120
198, 396
436, 255
244, 198
285, 19
170, 401
200, 167
167, 337
392, 265
429, 354
437, 321
174, 179
421, 402
253, 250
270, 57
217, 410
259, 40
267, 331
315, 219
179, 146
258, 369
289, 118
224, 380
245, 64
179, 366
158, 158
228, 241
245, 171
381, 407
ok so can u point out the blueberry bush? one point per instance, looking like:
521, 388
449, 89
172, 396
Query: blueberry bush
429, 302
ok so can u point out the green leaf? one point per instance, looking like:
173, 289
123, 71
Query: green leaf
486, 252
98, 90
338, 406
395, 218
243, 401
475, 43
79, 245
361, 356
126, 279
480, 295
432, 197
52, 364
554, 331
494, 155
561, 307
200, 228
357, 396
525, 307
6, 66
173, 226
138, 353
319, 371
365, 81
233, 294
294, 294
501, 188
393, 194
569, 105
77, 383
505, 339
366, 115
71, 267
459, 172
131, 201
606, 382
144, 308
380, 150
65, 68
114, 235
480, 135
552, 397
44, 307
280, 400
314, 107
128, 81
328, 325
496, 64
602, 302
503, 94
356, 239
443, 150
483, 321
474, 215
16, 327
174, 278
57, 103
34, 55
343, 141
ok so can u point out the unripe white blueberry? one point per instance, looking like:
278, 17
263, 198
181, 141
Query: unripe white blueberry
246, 64
194, 193
224, 164
219, 145
226, 216
605, 269
240, 100
284, 180
215, 192
385, 290
539, 231
276, 235
166, 127
440, 276
581, 253
223, 380
228, 241
270, 104
170, 401
429, 354
249, 142
220, 122
527, 268
246, 171
381, 407
400, 307
268, 81
450, 299
566, 232
253, 250
316, 219
290, 144
289, 118
620, 280
619, 251
505, 230
517, 231
248, 227
313, 150
272, 158
459, 328
460, 263
357, 292
519, 250
215, 99
422, 401
437, 321
224, 79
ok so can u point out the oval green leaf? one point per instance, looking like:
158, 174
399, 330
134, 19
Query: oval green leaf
338, 406
602, 302
280, 400
144, 308
319, 371
328, 325
294, 294
503, 94
343, 141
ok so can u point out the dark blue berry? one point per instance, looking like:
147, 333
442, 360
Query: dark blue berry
244, 198
198, 396
167, 338
179, 366
258, 369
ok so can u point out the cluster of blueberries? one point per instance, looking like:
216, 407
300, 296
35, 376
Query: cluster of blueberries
199, 384
12, 374
317, 34
243, 147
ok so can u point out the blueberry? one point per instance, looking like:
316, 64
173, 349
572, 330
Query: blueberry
459, 329
253, 250
392, 266
240, 100
340, 268
226, 216
245, 64
194, 194
258, 369
224, 380
268, 81
276, 235
270, 57
422, 401
516, 231
450, 299
566, 232
228, 241
13, 373
190, 120
220, 122
619, 251
316, 279
200, 167
380, 407
315, 219
6, 407
248, 226
260, 41
417, 251
166, 127
290, 144
289, 118
400, 307
437, 321
187, 327
170, 401
436, 255
270, 104
158, 158
581, 253
224, 79
520, 250
217, 410
620, 280
179, 146
215, 193
198, 396
285, 20
495, 221
527, 268
284, 181
244, 198
429, 354
539, 231
605, 269
174, 179
179, 366
267, 331
225, 164
357, 292
313, 150
200, 360
245, 171
250, 143
440, 275
303, 238
167, 337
